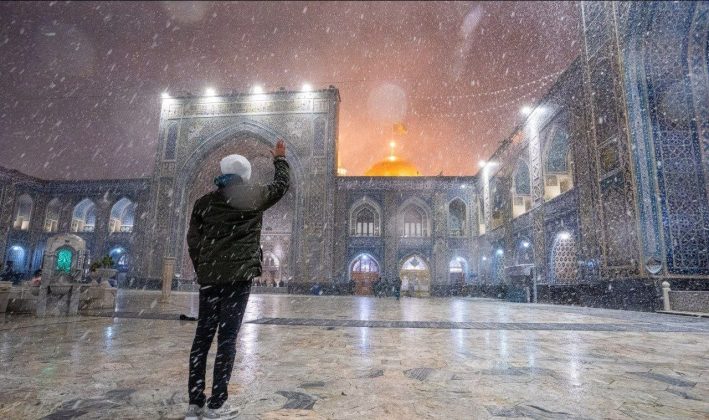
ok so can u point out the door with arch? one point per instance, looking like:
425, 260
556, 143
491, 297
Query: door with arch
457, 269
364, 271
415, 276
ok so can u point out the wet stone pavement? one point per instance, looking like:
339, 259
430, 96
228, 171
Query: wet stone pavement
360, 357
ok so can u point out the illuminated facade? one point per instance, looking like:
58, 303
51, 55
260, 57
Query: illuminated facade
596, 198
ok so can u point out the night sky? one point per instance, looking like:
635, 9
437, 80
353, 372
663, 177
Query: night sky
81, 82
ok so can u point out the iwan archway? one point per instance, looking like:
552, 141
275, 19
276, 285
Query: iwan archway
279, 222
195, 133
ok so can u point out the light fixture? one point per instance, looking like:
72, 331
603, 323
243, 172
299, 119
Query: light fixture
525, 244
257, 89
482, 163
499, 251
210, 92
526, 110
484, 258
564, 236
307, 87
165, 95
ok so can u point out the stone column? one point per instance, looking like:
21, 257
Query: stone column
391, 236
168, 272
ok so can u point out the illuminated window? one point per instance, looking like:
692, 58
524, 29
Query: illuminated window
23, 214
65, 257
498, 203
51, 219
558, 172
456, 218
414, 222
364, 263
122, 216
365, 219
83, 217
522, 190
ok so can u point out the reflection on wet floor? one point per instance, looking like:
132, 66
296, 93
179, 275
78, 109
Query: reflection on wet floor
355, 357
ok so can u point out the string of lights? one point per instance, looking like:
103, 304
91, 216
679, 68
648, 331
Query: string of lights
543, 80
531, 94
135, 95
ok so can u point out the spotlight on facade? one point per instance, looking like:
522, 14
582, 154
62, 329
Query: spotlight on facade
307, 87
210, 92
484, 258
257, 89
499, 251
526, 110
16, 248
482, 163
165, 95
564, 236
525, 244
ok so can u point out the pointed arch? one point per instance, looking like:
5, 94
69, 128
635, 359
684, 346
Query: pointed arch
457, 217
51, 217
521, 189
557, 164
497, 200
457, 271
83, 218
23, 212
365, 218
414, 219
122, 216
563, 260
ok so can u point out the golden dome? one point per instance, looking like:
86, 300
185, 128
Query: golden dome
392, 166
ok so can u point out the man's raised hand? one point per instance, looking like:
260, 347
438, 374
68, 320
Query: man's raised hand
280, 149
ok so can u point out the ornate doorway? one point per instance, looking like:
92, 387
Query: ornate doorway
364, 271
415, 277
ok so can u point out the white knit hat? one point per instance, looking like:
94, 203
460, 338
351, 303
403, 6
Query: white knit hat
236, 164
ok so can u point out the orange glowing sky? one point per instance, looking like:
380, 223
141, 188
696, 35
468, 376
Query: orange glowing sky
82, 81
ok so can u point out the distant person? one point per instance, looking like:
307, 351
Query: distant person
224, 245
397, 288
36, 279
7, 274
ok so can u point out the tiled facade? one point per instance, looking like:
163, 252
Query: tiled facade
602, 191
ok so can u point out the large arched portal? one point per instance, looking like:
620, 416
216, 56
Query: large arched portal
415, 276
277, 221
364, 271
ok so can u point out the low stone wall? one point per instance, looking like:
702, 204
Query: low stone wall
631, 294
694, 301
23, 300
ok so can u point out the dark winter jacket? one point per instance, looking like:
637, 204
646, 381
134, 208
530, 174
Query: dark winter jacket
225, 228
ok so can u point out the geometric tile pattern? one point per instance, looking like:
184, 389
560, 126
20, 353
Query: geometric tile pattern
685, 212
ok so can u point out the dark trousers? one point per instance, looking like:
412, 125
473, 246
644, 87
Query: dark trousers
220, 307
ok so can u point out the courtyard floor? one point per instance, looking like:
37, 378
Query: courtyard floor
362, 357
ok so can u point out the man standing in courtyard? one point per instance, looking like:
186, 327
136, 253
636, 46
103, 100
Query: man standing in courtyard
224, 245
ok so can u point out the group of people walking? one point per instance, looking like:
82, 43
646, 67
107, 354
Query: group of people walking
387, 288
